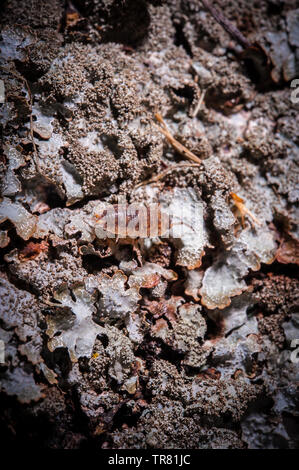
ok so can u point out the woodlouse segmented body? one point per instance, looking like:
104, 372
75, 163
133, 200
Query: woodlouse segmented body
132, 221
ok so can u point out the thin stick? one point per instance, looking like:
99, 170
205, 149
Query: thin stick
161, 175
198, 106
176, 145
227, 25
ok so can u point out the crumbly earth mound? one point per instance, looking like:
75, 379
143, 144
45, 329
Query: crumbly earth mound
185, 340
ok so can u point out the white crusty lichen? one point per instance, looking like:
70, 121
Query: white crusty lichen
73, 328
187, 331
234, 316
52, 223
18, 310
19, 316
20, 384
106, 299
225, 278
149, 275
11, 184
116, 301
237, 351
24, 222
119, 304
120, 352
187, 228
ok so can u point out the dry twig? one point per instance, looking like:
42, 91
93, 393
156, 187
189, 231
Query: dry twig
199, 104
176, 145
227, 25
165, 172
